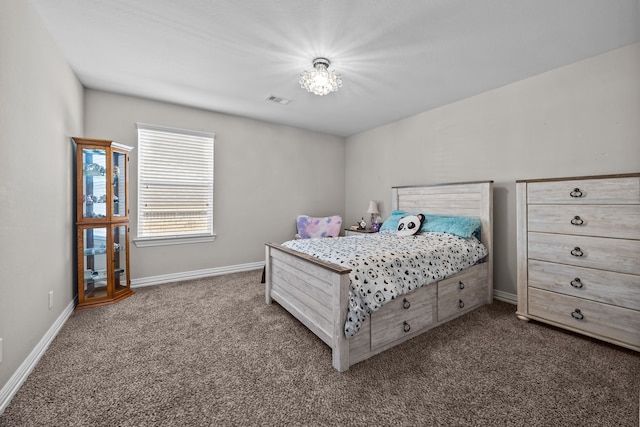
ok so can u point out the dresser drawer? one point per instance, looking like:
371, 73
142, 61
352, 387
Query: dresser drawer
619, 255
585, 191
596, 285
406, 315
619, 221
601, 320
462, 292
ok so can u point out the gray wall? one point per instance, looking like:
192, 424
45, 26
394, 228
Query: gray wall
41, 106
582, 119
265, 175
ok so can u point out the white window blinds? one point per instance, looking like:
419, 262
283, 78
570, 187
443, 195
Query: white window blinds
175, 183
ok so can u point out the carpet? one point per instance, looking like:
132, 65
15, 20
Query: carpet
210, 352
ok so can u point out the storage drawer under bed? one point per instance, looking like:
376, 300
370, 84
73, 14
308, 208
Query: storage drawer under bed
406, 315
462, 292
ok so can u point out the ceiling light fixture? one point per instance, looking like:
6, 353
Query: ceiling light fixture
321, 80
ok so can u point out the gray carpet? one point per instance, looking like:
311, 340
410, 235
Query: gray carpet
211, 352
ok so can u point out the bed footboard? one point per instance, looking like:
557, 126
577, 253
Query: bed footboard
314, 291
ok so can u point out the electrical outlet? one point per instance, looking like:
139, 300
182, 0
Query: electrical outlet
50, 300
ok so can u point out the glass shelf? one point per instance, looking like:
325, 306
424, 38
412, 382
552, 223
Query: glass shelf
95, 251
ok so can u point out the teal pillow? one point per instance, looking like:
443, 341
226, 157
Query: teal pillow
391, 223
461, 226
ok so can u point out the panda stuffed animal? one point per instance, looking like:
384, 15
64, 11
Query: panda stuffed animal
409, 225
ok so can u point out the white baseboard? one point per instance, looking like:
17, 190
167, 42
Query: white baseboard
18, 378
505, 297
195, 274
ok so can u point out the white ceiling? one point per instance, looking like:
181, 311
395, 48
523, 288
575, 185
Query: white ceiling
397, 58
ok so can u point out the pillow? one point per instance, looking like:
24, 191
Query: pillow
461, 226
410, 224
309, 227
391, 223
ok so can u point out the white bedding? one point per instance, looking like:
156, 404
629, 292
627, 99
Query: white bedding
384, 265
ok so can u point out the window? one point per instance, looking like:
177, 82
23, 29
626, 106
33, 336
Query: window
175, 186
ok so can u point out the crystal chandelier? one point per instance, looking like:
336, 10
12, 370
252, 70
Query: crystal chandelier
321, 80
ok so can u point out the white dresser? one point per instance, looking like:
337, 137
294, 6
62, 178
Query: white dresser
579, 255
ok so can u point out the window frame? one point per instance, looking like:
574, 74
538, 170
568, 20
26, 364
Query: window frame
178, 238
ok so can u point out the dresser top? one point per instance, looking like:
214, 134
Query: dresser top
573, 178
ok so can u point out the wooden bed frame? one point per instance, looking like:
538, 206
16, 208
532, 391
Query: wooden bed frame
317, 292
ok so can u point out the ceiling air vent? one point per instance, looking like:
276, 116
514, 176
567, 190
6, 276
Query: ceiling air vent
277, 100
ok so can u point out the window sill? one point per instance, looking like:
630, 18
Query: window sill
163, 241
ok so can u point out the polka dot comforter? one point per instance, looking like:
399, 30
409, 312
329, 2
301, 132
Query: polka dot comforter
385, 266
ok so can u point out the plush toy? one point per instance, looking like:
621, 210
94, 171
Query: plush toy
410, 224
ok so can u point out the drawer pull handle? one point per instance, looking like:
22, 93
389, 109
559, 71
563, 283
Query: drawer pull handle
577, 315
577, 252
461, 284
406, 326
576, 220
576, 283
460, 304
576, 193
406, 304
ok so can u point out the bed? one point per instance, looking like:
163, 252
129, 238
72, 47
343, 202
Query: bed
317, 292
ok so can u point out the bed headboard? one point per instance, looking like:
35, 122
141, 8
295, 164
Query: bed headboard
474, 199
